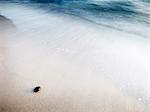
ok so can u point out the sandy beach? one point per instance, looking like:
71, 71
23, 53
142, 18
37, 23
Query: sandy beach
81, 67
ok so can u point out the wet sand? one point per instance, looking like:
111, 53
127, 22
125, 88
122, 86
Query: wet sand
77, 67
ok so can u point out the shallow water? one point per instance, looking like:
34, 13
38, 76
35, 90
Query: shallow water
132, 16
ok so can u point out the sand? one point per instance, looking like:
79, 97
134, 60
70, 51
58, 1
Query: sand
80, 67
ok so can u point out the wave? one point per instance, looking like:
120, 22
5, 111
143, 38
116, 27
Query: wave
132, 16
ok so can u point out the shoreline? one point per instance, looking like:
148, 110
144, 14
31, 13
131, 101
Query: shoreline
78, 67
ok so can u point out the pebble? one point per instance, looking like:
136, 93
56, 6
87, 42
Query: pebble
37, 89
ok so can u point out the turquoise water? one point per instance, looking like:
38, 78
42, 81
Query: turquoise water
132, 16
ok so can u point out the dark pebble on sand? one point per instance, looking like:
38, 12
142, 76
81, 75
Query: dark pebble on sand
37, 89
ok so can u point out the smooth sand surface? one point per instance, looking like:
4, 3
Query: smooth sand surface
79, 66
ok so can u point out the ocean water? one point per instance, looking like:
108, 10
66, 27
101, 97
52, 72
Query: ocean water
132, 16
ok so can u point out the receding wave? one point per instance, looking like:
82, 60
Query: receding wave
131, 16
